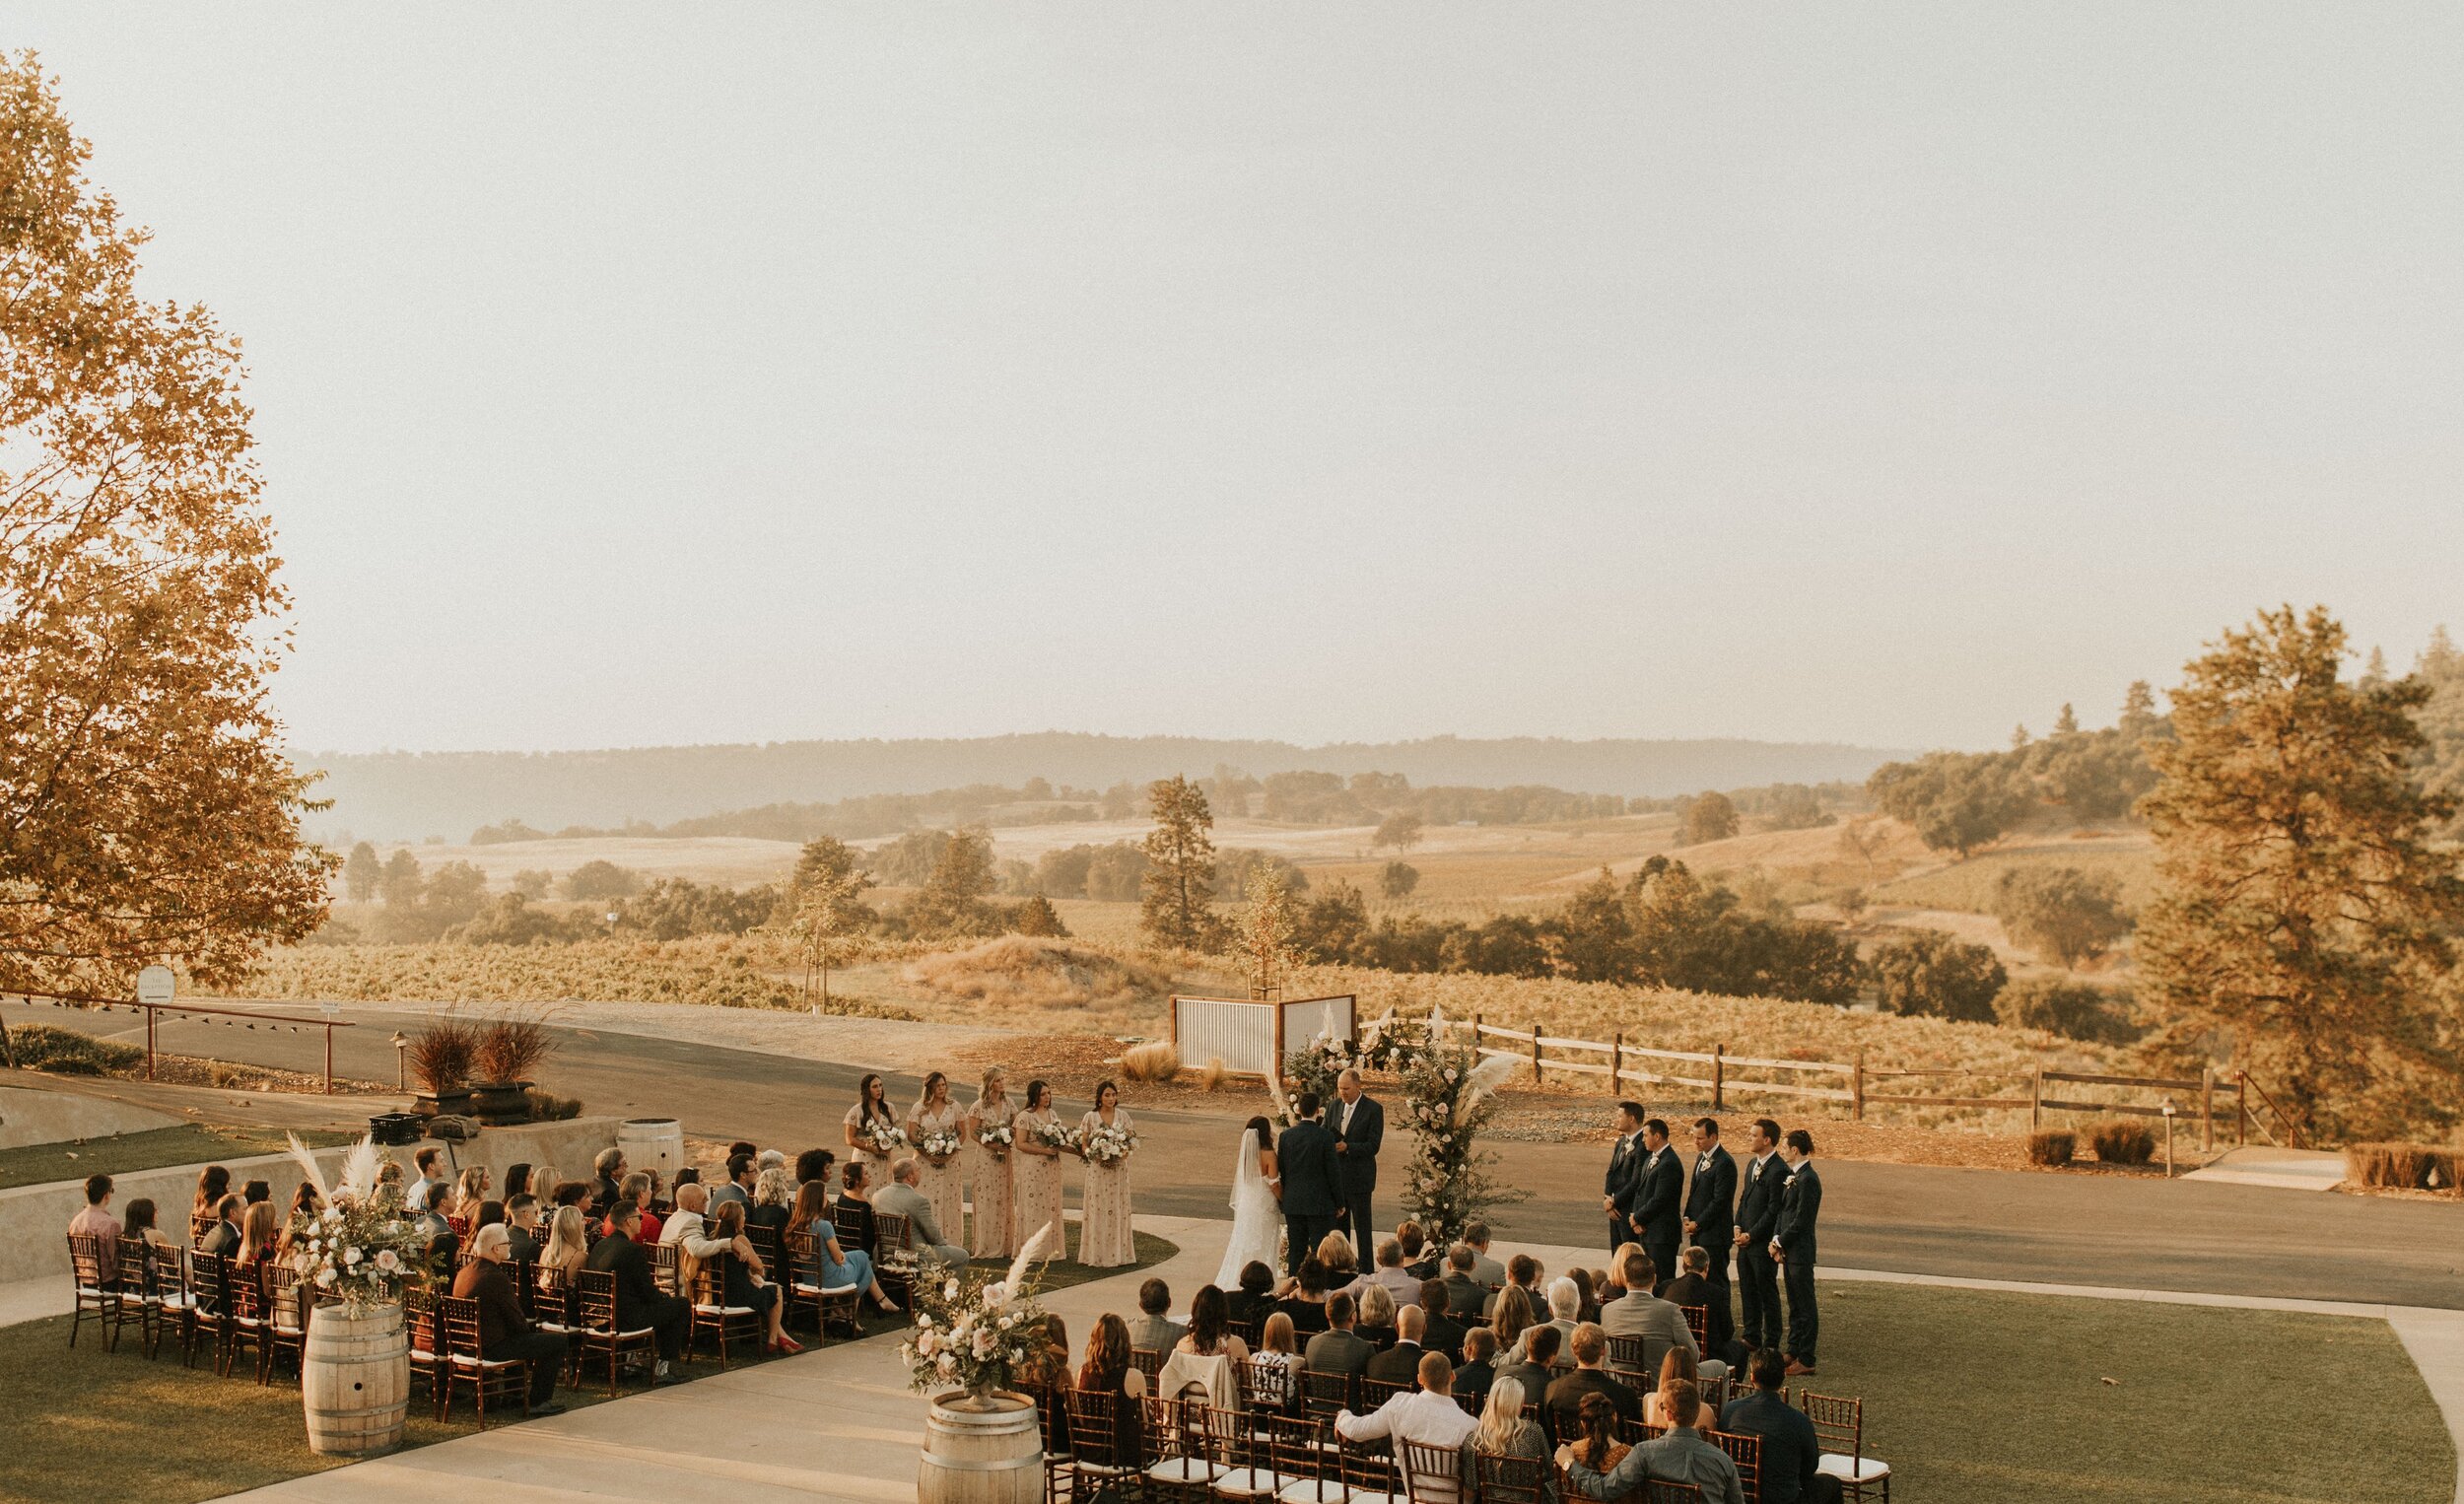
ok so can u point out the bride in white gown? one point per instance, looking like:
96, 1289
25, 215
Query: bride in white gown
1256, 1207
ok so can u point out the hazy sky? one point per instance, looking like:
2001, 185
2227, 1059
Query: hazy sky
1876, 373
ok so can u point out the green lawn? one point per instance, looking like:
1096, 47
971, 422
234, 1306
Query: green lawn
186, 1143
1977, 1396
85, 1423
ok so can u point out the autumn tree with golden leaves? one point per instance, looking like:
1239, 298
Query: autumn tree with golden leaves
145, 810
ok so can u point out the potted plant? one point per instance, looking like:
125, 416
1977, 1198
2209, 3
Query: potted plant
505, 1054
440, 1054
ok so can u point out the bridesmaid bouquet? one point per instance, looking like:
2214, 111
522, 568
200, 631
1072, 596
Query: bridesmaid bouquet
940, 1143
996, 1140
1054, 1135
1104, 1146
883, 1139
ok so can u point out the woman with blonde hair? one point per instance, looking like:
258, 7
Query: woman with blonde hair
1377, 1317
992, 1236
942, 1177
1679, 1364
1342, 1265
1513, 1314
1272, 1367
258, 1234
568, 1244
543, 1186
1507, 1431
468, 1192
773, 1192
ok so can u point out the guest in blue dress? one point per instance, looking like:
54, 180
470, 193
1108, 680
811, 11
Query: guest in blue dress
839, 1267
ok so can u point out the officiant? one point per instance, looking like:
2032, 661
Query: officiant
1359, 1129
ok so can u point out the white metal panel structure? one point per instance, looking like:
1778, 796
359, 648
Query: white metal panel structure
1251, 1036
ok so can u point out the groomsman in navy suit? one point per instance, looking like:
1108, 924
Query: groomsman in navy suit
1711, 1220
1757, 1218
1660, 1208
1623, 1186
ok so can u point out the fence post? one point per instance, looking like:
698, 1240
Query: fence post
1856, 1089
2037, 1099
1535, 1052
1719, 1076
1616, 1064
2241, 1108
150, 1017
2207, 1109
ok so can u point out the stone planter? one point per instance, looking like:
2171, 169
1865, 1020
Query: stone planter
498, 1103
355, 1381
452, 1102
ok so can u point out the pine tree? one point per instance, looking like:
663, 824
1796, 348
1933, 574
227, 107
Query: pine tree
362, 873
2066, 724
2302, 914
1176, 906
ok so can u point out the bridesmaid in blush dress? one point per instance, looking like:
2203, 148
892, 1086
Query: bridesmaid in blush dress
873, 1106
1105, 1240
1035, 1171
942, 1181
992, 1236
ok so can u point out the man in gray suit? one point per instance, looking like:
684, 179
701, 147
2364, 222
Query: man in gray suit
899, 1197
1639, 1312
1339, 1349
1152, 1327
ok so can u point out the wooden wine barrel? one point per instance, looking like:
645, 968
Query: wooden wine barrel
653, 1143
355, 1381
993, 1456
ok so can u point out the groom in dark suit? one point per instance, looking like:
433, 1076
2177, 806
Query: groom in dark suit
1359, 1129
1621, 1188
1313, 1188
1660, 1208
1711, 1221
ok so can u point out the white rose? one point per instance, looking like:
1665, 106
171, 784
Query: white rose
924, 1346
388, 1259
352, 1256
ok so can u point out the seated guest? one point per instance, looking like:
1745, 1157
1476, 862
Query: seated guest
257, 1193
490, 1214
1465, 1297
774, 1195
305, 1199
1507, 1429
468, 1192
1479, 1362
568, 1246
1254, 1301
1488, 1271
1792, 1454
542, 1186
1565, 1309
1153, 1330
1400, 1363
745, 1147
1523, 1272
136, 1229
639, 1302
1639, 1312
1444, 1334
1275, 1367
96, 1221
1047, 1362
431, 1183
1389, 1276
836, 1266
1427, 1415
637, 1189
522, 1228
607, 1181
1564, 1400
1508, 1319
1538, 1370
685, 1230
572, 1192
1306, 1301
1341, 1265
738, 1188
517, 1181
1595, 1445
259, 1232
222, 1236
1108, 1370
1679, 1457
1587, 1310
815, 1165
213, 1184
506, 1334
745, 1281
1679, 1364
901, 1197
1339, 1349
853, 1214
1422, 1259
1377, 1317
1207, 1357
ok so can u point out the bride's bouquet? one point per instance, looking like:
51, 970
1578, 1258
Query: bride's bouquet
883, 1139
939, 1144
997, 1138
1105, 1145
1054, 1135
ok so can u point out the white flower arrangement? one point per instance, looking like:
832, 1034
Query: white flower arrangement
1104, 1145
882, 1137
972, 1333
361, 1247
1054, 1134
939, 1144
997, 1139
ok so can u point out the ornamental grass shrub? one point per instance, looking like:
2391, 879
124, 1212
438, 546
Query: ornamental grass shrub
2121, 1141
2052, 1147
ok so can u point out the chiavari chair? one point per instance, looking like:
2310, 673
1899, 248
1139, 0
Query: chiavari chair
712, 1314
458, 1320
594, 1330
1839, 1425
1746, 1453
97, 1277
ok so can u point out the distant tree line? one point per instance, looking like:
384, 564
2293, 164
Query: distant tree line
1959, 802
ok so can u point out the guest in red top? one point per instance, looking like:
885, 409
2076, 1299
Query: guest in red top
637, 1188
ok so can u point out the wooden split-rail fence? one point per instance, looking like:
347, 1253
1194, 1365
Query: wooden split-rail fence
2210, 1099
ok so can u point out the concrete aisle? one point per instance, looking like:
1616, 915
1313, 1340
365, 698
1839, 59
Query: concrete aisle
835, 1424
